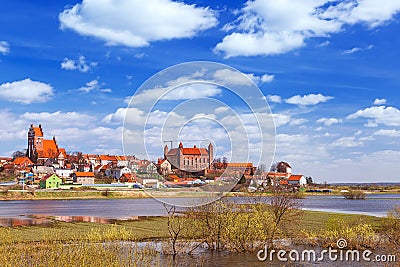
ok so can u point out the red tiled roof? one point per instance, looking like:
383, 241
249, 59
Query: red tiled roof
107, 157
277, 174
50, 149
241, 164
283, 182
38, 131
295, 177
84, 174
22, 160
62, 151
120, 158
194, 151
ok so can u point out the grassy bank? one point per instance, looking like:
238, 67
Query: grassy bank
146, 229
81, 244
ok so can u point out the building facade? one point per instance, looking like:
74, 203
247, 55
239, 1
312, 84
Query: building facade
190, 160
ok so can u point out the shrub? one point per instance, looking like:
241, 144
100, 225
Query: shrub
354, 194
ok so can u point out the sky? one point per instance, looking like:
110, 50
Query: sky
329, 71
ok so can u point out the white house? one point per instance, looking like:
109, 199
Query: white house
64, 173
148, 167
165, 167
122, 161
83, 177
118, 172
297, 180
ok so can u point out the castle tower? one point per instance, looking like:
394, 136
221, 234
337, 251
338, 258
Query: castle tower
165, 151
210, 155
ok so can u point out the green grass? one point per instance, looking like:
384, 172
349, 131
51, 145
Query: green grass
143, 229
315, 221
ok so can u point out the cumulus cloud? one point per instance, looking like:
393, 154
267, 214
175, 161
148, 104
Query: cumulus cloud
221, 109
281, 119
307, 100
329, 121
188, 91
135, 23
380, 101
94, 85
276, 27
390, 133
389, 116
265, 78
59, 118
4, 47
80, 64
232, 77
26, 91
347, 142
274, 98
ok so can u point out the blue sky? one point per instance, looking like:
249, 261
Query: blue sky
329, 71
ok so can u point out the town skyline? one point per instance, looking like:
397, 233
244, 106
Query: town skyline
329, 72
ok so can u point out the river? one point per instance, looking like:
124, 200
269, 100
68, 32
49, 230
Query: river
375, 205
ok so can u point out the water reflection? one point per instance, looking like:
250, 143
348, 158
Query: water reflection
91, 219
36, 219
24, 221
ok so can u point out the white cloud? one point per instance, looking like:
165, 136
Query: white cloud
307, 100
26, 91
267, 78
221, 109
135, 23
380, 101
347, 142
281, 119
389, 116
59, 118
232, 77
94, 85
371, 124
352, 50
356, 49
135, 116
276, 27
187, 91
297, 122
329, 121
274, 98
4, 47
80, 64
325, 43
90, 86
390, 133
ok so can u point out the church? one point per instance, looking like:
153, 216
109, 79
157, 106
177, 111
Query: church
40, 149
190, 160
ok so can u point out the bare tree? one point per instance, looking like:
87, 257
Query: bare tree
285, 208
175, 226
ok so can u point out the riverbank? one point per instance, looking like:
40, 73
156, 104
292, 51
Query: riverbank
140, 193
